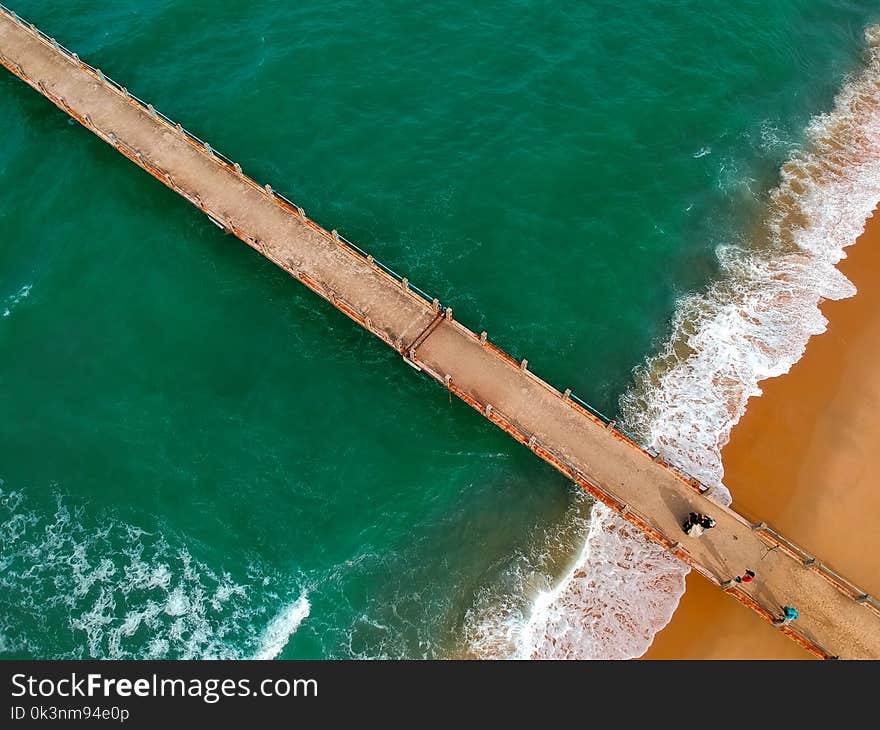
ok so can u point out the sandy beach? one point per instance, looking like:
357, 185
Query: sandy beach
804, 459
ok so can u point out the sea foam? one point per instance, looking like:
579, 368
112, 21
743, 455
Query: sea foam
276, 635
13, 300
753, 323
69, 589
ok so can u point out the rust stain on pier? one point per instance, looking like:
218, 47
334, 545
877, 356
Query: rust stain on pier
836, 618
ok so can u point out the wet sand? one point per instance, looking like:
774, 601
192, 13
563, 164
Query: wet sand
805, 458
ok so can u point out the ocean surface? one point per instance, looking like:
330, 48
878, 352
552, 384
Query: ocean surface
199, 458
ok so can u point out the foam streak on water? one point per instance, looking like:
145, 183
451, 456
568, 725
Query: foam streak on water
13, 300
753, 323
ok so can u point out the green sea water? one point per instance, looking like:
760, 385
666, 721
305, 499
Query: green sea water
201, 458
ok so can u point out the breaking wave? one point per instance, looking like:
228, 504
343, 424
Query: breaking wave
753, 323
115, 591
276, 635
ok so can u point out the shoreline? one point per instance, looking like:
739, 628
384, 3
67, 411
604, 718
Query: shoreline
803, 449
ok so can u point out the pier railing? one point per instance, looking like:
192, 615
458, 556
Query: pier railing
774, 538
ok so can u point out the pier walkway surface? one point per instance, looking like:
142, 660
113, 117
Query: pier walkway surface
837, 619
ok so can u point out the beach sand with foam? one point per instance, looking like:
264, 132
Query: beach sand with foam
804, 459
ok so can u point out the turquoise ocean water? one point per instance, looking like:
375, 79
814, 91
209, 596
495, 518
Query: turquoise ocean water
199, 458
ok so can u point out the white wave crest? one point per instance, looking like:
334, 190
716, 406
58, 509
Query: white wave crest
282, 627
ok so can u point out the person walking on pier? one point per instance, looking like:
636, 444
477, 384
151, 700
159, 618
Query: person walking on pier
747, 577
789, 614
696, 524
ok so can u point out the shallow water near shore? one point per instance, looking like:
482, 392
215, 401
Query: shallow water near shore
200, 459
